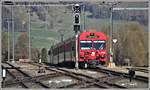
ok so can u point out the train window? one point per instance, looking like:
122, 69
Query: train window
99, 45
86, 45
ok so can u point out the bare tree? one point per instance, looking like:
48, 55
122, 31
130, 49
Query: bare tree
132, 44
35, 54
21, 47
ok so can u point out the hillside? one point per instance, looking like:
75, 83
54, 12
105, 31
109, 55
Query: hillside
48, 22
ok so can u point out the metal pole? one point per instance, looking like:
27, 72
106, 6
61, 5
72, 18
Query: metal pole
13, 34
111, 33
84, 17
29, 36
46, 20
77, 11
8, 42
76, 64
1, 36
62, 37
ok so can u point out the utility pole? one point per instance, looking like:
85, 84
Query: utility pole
29, 12
111, 4
84, 16
13, 50
77, 11
1, 35
111, 33
62, 37
46, 17
8, 27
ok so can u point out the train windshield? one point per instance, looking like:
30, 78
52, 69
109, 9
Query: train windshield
99, 45
85, 45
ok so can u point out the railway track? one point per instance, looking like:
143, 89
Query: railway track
140, 69
101, 82
86, 80
22, 78
108, 80
126, 75
17, 76
113, 77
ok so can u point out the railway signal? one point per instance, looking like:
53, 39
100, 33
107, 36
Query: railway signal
76, 28
77, 18
77, 8
77, 11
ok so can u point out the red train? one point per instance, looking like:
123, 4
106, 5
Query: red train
92, 50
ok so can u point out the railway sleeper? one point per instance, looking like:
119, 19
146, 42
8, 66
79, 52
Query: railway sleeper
36, 81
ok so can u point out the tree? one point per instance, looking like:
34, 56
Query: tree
5, 46
35, 54
44, 55
132, 44
22, 46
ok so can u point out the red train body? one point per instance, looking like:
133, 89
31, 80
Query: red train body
92, 49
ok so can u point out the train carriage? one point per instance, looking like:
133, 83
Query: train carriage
92, 50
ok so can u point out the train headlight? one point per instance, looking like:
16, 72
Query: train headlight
93, 54
102, 56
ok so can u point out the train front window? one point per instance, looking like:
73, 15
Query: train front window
99, 45
85, 45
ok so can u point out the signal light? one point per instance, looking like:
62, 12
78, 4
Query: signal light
77, 8
76, 28
77, 18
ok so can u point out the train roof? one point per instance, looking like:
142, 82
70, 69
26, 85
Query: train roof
92, 35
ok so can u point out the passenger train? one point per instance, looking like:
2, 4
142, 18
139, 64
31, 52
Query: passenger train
92, 50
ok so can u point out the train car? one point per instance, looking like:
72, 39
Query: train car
92, 50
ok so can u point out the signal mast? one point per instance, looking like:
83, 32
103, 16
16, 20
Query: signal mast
76, 11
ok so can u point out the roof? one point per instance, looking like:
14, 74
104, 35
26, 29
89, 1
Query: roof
93, 35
